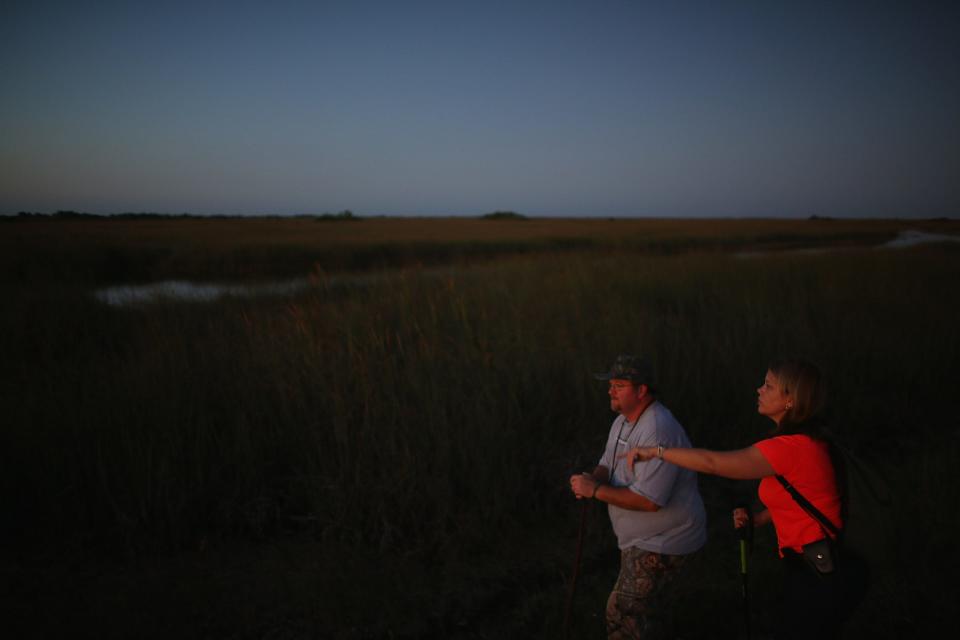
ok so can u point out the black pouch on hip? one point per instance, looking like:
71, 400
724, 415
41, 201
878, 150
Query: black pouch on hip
821, 555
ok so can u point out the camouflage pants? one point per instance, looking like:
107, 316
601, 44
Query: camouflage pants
636, 605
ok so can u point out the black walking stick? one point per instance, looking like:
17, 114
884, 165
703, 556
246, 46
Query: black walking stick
576, 567
746, 544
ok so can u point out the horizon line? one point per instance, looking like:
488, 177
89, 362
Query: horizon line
347, 215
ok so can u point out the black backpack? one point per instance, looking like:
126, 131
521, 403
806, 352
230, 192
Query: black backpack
867, 536
866, 505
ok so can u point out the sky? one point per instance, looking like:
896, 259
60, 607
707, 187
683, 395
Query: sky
559, 108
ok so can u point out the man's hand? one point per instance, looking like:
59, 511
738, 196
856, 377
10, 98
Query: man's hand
583, 485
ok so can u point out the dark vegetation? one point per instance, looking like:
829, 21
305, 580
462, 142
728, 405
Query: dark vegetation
504, 215
346, 214
84, 249
387, 458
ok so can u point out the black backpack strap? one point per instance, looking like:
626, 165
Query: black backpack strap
807, 506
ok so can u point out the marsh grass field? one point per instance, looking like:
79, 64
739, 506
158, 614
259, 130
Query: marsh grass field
386, 457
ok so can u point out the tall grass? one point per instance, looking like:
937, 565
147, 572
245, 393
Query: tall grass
425, 421
113, 251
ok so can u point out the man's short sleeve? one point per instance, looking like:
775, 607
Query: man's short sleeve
654, 480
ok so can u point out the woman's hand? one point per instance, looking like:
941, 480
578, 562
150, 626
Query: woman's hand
583, 485
639, 454
740, 518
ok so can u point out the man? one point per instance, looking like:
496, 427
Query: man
655, 509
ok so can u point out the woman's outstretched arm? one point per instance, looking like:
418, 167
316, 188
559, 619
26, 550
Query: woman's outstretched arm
743, 464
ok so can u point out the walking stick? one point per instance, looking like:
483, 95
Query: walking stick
576, 567
746, 541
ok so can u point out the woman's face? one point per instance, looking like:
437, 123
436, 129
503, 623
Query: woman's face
771, 400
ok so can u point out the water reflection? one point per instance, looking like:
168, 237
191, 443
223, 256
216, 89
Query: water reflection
912, 238
180, 290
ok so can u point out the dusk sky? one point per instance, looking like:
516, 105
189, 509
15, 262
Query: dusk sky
579, 108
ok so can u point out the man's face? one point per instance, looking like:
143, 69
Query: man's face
624, 395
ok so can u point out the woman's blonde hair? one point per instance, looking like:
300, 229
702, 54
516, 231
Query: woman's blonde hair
801, 380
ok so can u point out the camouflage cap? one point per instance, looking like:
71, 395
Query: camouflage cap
628, 367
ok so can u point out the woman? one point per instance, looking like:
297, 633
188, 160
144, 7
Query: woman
792, 396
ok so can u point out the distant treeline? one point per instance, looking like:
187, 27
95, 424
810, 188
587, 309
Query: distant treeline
80, 215
346, 214
504, 215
